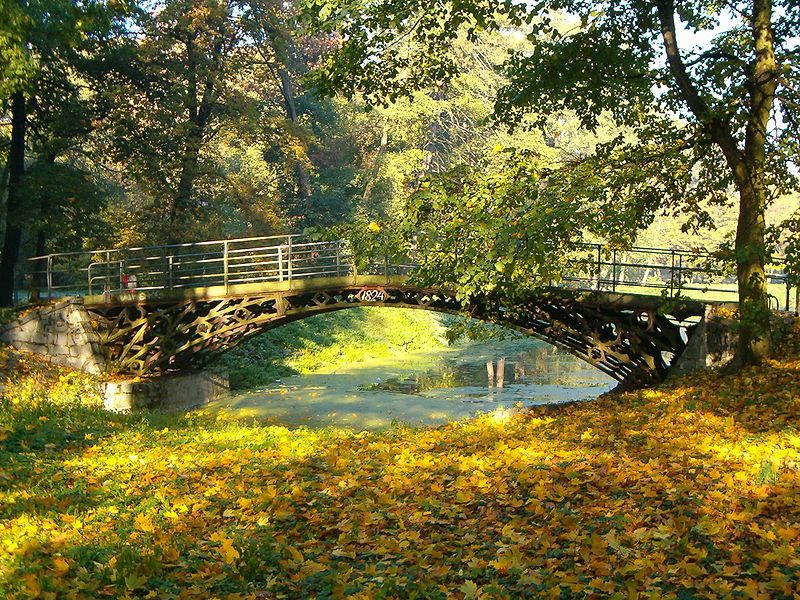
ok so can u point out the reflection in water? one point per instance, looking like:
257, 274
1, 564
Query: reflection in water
542, 365
423, 387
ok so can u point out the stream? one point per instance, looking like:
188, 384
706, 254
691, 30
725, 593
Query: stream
417, 388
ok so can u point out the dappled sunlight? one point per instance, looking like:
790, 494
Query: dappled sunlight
653, 492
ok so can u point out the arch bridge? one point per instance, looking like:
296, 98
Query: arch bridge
151, 310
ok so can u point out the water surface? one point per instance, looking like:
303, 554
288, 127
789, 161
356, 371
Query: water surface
424, 387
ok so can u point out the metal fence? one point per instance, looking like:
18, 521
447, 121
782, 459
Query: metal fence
290, 258
185, 266
674, 271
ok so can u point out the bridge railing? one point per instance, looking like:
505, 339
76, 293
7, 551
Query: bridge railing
112, 272
120, 271
673, 271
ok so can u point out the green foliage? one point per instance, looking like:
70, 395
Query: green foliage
497, 234
787, 238
715, 112
328, 340
71, 198
17, 66
400, 46
471, 329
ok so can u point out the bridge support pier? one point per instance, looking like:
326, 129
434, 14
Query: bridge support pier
63, 332
712, 344
167, 392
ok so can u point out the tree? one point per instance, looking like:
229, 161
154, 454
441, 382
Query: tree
708, 91
43, 43
268, 25
171, 93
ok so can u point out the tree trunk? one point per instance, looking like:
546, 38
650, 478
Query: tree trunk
376, 163
16, 170
754, 331
747, 167
301, 171
200, 107
182, 200
754, 312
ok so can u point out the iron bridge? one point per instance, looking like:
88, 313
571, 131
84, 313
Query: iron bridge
165, 308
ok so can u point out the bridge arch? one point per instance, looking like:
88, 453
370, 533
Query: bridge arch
625, 336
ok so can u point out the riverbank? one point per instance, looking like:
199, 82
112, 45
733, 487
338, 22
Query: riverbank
332, 339
688, 490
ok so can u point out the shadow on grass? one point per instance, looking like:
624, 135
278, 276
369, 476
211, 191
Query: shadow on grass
583, 498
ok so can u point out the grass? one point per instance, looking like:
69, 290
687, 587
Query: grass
332, 339
691, 490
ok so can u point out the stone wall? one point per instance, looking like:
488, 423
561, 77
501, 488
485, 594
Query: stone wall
169, 392
61, 332
713, 344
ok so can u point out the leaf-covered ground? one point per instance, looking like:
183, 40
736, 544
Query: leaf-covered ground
691, 490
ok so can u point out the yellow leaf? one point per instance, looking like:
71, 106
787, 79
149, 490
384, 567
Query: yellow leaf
134, 582
752, 590
228, 552
32, 586
170, 554
60, 566
469, 588
599, 545
144, 523
297, 556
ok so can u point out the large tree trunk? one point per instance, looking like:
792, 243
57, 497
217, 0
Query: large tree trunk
300, 168
747, 167
754, 331
16, 170
754, 335
200, 108
182, 200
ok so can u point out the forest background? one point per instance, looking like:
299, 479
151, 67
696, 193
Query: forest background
184, 120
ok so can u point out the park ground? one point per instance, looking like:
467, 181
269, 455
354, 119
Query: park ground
690, 490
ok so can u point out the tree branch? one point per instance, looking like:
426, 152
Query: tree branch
719, 130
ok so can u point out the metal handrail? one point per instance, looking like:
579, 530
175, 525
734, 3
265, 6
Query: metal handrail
289, 258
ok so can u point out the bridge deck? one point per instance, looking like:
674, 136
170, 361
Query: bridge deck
616, 300
278, 264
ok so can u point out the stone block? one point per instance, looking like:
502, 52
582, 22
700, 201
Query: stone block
62, 305
91, 337
28, 327
62, 332
712, 344
169, 392
36, 337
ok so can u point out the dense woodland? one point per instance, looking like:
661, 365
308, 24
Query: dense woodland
140, 122
190, 120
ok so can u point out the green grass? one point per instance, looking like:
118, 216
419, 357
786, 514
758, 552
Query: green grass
332, 339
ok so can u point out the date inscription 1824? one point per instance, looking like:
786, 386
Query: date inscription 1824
372, 294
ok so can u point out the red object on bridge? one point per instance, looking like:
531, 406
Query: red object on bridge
128, 281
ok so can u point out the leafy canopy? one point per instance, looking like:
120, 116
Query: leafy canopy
600, 62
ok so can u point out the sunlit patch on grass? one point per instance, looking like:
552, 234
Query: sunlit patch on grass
634, 492
500, 416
